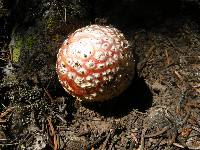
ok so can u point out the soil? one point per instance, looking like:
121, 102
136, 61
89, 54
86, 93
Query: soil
160, 110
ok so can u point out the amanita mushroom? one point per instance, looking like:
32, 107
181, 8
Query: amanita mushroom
95, 63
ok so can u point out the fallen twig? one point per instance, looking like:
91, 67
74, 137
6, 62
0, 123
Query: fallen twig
107, 138
53, 132
178, 145
158, 133
8, 110
143, 138
5, 113
49, 96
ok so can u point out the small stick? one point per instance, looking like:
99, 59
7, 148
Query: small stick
178, 75
65, 15
143, 138
167, 57
53, 133
48, 94
61, 118
158, 133
178, 145
6, 112
106, 141
181, 101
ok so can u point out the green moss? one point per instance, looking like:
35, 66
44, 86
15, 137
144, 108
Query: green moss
21, 43
55, 37
16, 49
30, 41
50, 22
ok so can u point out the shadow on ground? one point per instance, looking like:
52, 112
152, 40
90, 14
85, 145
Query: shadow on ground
137, 96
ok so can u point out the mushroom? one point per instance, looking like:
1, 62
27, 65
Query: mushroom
95, 63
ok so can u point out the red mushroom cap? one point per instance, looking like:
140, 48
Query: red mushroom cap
95, 63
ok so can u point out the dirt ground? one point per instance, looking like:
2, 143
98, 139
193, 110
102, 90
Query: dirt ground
159, 111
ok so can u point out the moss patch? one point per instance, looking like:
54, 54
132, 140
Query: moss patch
16, 46
30, 41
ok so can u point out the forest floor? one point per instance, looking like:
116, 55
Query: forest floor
160, 109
